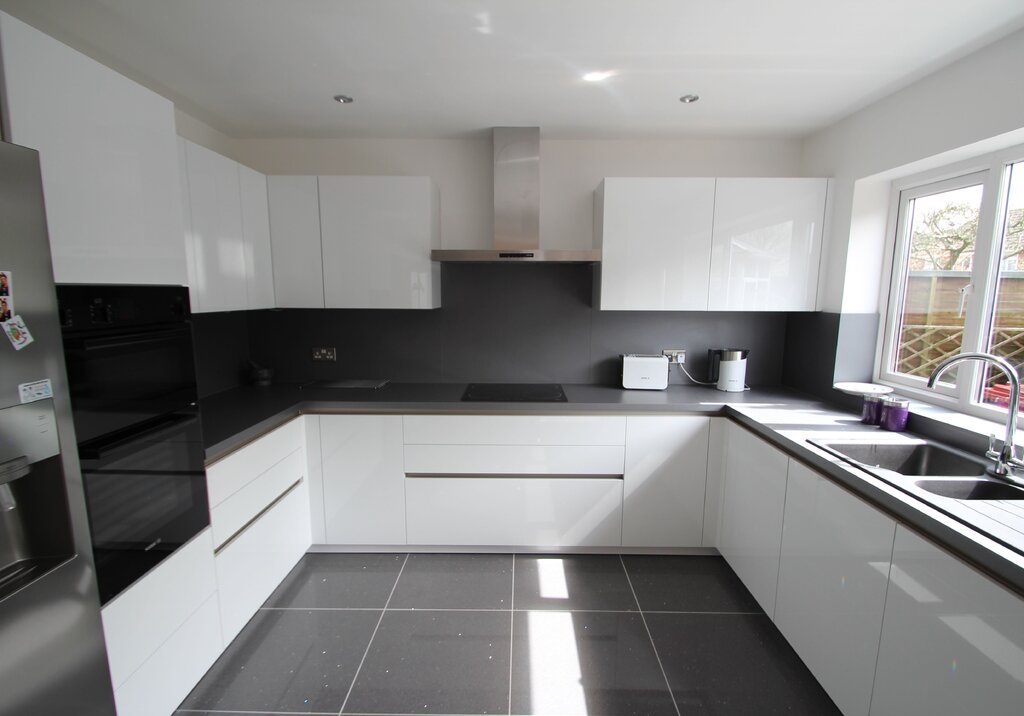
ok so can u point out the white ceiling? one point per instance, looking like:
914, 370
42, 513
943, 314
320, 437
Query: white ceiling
421, 68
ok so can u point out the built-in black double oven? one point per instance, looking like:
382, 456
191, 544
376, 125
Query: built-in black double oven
133, 397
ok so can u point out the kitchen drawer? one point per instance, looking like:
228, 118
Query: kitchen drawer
232, 514
226, 477
514, 460
514, 430
146, 614
167, 677
251, 566
551, 512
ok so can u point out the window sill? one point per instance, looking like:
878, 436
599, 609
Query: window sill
968, 432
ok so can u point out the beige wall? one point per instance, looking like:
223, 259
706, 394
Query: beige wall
570, 171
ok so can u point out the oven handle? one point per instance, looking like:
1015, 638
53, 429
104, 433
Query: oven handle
134, 339
112, 445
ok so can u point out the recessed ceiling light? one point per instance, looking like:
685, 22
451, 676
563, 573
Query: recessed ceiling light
343, 99
689, 98
598, 76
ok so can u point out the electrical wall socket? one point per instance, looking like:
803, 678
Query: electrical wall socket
325, 353
675, 355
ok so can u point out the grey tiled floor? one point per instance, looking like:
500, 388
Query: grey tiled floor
504, 634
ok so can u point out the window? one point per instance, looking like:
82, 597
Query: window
957, 282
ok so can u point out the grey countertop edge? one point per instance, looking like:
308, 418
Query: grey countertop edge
1001, 563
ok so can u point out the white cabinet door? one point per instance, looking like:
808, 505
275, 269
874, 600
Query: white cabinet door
664, 482
509, 512
108, 152
832, 581
655, 239
259, 270
250, 567
753, 500
218, 248
363, 479
952, 640
377, 234
295, 241
767, 244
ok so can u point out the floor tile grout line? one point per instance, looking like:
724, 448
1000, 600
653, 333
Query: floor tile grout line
373, 636
651, 637
523, 610
511, 631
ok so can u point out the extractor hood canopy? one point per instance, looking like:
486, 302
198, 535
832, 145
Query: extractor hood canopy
516, 206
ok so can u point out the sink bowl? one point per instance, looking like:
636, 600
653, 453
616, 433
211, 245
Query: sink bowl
972, 489
915, 459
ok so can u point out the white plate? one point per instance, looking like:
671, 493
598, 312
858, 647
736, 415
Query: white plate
862, 388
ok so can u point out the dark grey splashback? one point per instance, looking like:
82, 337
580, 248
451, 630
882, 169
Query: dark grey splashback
825, 348
506, 323
221, 343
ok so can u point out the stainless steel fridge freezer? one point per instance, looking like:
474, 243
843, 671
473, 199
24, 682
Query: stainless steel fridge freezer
52, 655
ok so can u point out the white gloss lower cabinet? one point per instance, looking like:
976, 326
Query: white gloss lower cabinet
252, 565
753, 502
664, 481
500, 511
377, 233
363, 479
832, 582
767, 244
952, 639
655, 239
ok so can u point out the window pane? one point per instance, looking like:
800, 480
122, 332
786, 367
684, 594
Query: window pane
1006, 335
943, 228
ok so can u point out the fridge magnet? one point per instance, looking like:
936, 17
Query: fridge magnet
6, 308
17, 332
5, 283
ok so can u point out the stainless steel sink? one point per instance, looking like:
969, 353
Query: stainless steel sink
913, 459
972, 489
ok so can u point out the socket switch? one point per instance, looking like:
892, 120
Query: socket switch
675, 355
325, 353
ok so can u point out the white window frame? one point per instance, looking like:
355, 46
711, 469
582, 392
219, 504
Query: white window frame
989, 170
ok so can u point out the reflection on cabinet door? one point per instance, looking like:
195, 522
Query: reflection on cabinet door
952, 640
259, 271
767, 244
832, 580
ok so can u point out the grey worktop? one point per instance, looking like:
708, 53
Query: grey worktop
783, 417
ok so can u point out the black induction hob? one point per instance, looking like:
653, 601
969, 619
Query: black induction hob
515, 393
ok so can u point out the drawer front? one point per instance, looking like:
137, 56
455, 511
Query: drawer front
167, 677
233, 513
146, 614
514, 460
514, 430
226, 477
514, 512
251, 567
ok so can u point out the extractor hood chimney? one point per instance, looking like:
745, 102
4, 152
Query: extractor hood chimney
516, 206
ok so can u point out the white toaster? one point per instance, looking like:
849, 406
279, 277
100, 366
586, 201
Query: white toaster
644, 372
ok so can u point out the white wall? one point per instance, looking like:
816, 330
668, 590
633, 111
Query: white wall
971, 106
570, 171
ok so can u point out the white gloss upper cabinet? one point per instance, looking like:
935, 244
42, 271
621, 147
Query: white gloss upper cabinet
295, 241
767, 244
109, 158
833, 574
952, 639
377, 234
753, 502
664, 480
655, 238
217, 274
259, 270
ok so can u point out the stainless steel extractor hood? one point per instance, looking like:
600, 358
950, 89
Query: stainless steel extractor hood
516, 206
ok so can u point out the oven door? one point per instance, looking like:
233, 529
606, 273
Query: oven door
124, 378
145, 489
